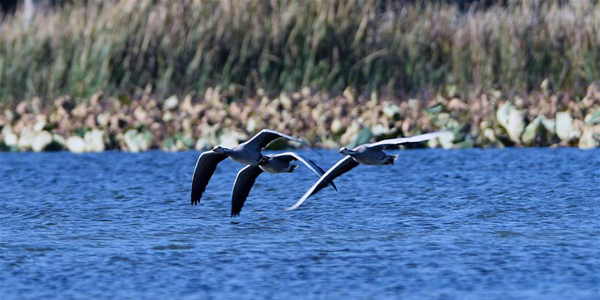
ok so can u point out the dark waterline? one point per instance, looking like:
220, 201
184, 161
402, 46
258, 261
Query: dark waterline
468, 224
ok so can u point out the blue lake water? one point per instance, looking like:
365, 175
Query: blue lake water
465, 224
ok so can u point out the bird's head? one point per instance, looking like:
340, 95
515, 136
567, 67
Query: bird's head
344, 151
218, 149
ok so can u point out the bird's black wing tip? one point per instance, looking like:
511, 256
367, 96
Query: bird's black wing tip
333, 185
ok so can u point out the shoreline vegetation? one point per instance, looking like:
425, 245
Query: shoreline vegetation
390, 47
327, 121
175, 75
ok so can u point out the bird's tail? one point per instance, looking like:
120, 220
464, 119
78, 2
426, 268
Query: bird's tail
391, 159
292, 168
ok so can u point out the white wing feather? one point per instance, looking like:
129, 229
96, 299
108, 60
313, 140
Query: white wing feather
340, 164
266, 136
307, 163
412, 139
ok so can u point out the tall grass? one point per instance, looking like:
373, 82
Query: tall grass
181, 46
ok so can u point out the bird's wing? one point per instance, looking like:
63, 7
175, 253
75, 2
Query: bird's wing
241, 187
265, 136
205, 167
289, 156
344, 165
398, 141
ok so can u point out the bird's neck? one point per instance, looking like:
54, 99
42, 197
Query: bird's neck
351, 152
264, 160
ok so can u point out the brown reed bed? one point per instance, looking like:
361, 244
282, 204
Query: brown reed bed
388, 47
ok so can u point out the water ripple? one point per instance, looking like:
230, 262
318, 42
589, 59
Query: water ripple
472, 224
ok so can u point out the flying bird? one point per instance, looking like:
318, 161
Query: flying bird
247, 153
278, 163
368, 154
